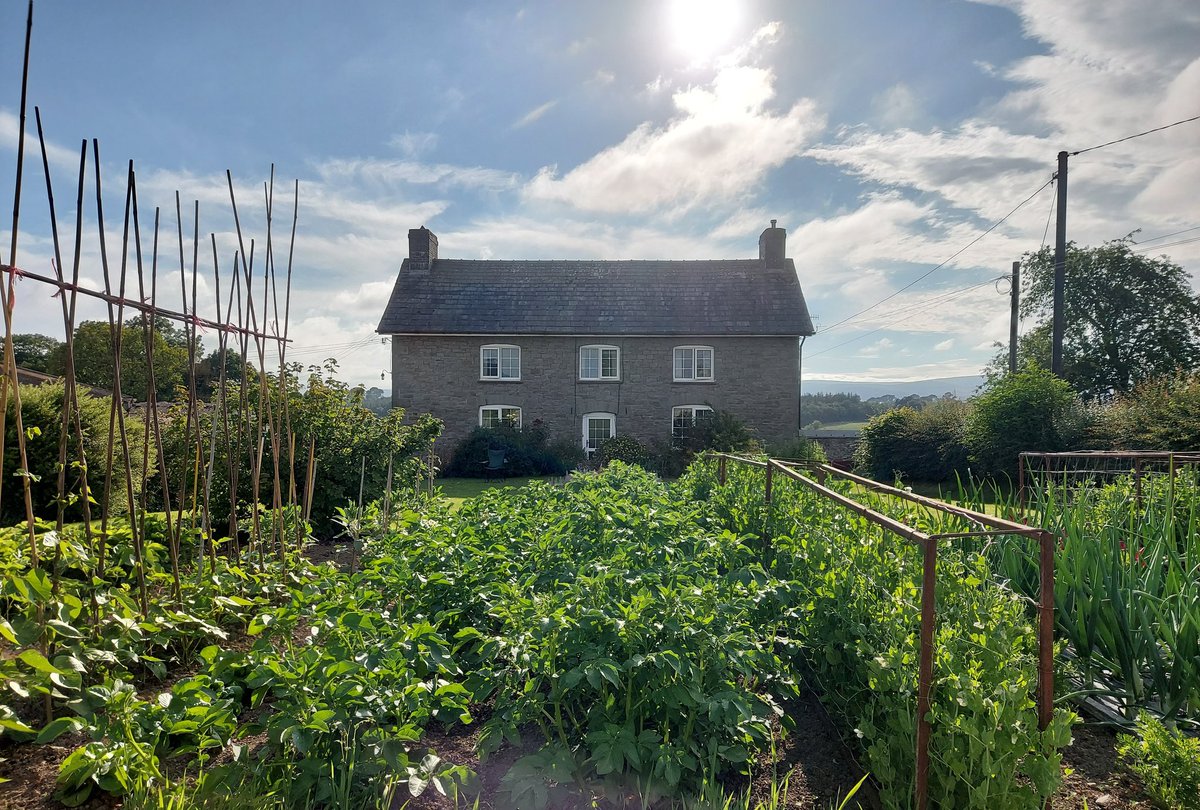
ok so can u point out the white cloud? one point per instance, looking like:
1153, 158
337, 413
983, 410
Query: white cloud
877, 348
534, 114
717, 149
379, 173
944, 346
414, 144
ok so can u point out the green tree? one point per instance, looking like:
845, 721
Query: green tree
34, 351
208, 371
1129, 317
94, 358
1029, 410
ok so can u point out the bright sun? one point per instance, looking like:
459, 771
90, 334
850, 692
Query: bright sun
700, 28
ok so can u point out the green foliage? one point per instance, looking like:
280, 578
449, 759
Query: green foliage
1167, 762
924, 445
608, 618
325, 411
41, 411
34, 351
1019, 412
527, 452
830, 408
1162, 413
1129, 317
624, 448
720, 430
849, 614
94, 357
799, 449
1127, 581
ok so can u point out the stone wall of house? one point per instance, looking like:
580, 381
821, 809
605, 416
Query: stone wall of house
755, 378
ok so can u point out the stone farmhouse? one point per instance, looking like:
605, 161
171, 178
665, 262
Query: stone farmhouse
593, 349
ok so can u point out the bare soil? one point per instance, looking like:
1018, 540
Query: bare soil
1098, 777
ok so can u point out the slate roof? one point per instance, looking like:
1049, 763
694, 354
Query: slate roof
713, 297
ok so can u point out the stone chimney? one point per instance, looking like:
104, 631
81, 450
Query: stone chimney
772, 246
422, 249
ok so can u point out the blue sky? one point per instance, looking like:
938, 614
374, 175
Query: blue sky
883, 136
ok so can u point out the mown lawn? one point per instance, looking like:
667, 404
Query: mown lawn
458, 490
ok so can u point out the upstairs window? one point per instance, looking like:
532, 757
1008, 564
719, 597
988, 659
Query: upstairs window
500, 362
494, 416
693, 364
599, 363
686, 417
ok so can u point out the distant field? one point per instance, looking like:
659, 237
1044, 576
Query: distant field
844, 426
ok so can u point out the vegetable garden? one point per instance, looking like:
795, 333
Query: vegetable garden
637, 639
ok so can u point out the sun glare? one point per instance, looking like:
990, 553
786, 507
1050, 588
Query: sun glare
700, 28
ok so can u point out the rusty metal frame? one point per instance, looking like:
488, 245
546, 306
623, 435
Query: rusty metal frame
929, 546
1050, 462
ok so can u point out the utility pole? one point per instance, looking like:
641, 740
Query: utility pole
1012, 322
1060, 268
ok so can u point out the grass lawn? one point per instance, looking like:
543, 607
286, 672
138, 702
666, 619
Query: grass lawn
457, 490
844, 426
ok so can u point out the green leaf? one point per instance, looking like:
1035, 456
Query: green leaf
7, 631
38, 661
56, 728
16, 725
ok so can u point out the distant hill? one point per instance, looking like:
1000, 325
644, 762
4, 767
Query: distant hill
961, 387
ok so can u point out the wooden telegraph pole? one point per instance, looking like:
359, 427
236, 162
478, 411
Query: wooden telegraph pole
1060, 266
1014, 317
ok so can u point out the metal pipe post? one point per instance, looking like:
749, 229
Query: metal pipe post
925, 673
1046, 631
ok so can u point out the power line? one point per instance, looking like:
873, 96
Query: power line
926, 304
1166, 235
1167, 245
1138, 135
332, 347
912, 314
957, 253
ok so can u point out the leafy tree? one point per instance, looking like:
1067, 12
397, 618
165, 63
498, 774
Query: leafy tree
1129, 317
208, 372
837, 407
94, 358
377, 400
34, 351
1026, 411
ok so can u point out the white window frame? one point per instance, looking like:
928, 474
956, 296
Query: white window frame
712, 362
499, 375
694, 409
601, 348
612, 427
500, 415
